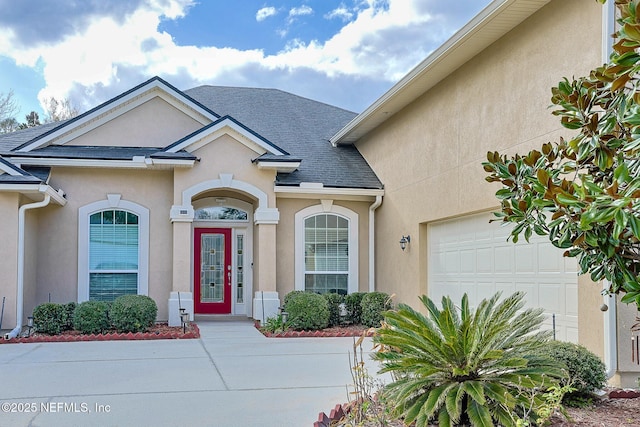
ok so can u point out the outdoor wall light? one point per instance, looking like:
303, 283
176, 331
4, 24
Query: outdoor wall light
404, 241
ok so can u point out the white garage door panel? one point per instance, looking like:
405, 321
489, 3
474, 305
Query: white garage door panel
472, 255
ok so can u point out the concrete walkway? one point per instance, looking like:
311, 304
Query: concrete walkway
231, 376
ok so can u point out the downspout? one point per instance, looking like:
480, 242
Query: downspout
20, 287
610, 333
372, 243
610, 318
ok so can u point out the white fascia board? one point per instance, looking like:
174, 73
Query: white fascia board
100, 163
202, 138
57, 196
10, 169
355, 194
110, 111
284, 167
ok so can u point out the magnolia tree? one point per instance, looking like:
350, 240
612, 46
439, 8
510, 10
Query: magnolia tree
584, 192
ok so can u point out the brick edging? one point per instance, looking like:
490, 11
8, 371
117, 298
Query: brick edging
128, 336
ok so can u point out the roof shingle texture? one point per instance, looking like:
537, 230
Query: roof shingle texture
298, 125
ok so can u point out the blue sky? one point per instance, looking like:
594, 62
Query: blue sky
342, 52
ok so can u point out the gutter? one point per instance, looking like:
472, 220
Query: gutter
20, 287
372, 246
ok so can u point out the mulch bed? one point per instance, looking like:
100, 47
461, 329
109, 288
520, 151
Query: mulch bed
159, 331
336, 332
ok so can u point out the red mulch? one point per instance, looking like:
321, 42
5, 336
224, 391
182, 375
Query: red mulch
338, 331
159, 331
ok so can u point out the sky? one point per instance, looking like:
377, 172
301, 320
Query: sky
346, 53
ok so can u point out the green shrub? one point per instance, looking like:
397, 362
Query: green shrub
292, 294
454, 366
274, 325
334, 301
69, 310
133, 313
374, 304
587, 373
307, 311
49, 318
353, 304
91, 317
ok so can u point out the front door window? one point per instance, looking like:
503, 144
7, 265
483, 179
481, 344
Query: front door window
212, 271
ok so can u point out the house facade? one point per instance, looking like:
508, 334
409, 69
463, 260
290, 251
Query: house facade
156, 193
222, 200
487, 89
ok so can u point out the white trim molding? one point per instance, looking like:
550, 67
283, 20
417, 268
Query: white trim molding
299, 249
113, 201
263, 214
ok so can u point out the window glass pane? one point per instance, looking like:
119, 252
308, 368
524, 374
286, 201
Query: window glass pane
132, 218
327, 283
240, 269
109, 286
221, 213
120, 217
96, 218
113, 254
326, 253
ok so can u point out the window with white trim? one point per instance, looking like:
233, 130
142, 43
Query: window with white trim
326, 254
326, 251
113, 249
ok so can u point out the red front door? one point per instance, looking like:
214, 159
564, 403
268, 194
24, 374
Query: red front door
212, 270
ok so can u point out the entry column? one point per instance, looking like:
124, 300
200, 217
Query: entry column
266, 300
181, 295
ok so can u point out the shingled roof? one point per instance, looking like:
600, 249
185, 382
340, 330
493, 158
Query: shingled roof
299, 126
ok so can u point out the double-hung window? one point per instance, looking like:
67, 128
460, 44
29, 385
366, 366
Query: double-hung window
113, 249
113, 254
326, 250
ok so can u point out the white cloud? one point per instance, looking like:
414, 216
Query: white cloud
300, 11
265, 12
342, 13
383, 40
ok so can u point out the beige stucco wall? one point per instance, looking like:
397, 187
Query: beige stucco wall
286, 240
57, 228
163, 125
9, 256
429, 155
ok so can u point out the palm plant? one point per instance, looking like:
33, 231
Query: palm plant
457, 366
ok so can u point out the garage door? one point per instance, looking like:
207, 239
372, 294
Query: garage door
471, 255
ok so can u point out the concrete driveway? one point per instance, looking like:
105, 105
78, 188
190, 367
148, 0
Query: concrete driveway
231, 376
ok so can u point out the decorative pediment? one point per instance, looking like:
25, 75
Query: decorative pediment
150, 91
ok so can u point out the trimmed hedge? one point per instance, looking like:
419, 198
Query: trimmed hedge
91, 317
69, 309
587, 373
373, 305
353, 304
334, 302
307, 311
49, 318
133, 313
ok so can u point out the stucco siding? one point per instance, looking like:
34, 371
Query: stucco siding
429, 155
155, 123
8, 256
286, 241
58, 228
